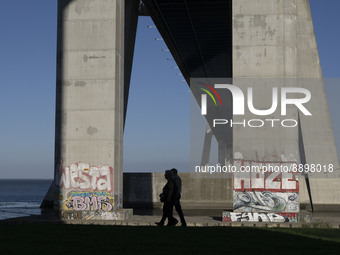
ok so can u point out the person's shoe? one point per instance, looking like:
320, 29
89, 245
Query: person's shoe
173, 222
159, 223
184, 224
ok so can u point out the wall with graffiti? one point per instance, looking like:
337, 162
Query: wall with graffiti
86, 192
265, 201
80, 201
265, 191
259, 217
95, 215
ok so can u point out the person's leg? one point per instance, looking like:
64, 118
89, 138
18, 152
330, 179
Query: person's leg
171, 220
161, 223
180, 212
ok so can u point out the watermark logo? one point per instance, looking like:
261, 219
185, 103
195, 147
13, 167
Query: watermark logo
204, 97
238, 99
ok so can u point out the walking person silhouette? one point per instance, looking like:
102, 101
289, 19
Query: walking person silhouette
168, 197
178, 183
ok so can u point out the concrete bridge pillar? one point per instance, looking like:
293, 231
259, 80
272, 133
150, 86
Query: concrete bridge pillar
90, 107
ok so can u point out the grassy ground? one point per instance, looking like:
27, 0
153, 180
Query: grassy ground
89, 239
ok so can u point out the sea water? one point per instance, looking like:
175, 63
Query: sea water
20, 198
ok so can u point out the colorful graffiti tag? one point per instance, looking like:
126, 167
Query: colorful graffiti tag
82, 176
78, 203
254, 201
259, 217
94, 215
266, 181
265, 191
85, 191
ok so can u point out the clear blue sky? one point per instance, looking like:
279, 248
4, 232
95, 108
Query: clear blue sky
153, 141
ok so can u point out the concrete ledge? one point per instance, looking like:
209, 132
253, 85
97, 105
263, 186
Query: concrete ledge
318, 220
152, 224
322, 207
71, 215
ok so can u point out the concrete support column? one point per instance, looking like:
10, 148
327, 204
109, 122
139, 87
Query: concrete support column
90, 108
274, 46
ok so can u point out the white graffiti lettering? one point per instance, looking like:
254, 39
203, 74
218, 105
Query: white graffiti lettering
82, 176
259, 217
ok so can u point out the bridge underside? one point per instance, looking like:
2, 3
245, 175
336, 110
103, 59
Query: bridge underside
254, 43
208, 39
197, 33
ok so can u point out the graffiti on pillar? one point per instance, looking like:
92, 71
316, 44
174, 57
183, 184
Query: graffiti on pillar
82, 176
265, 176
83, 187
80, 201
259, 217
71, 215
94, 215
252, 201
268, 187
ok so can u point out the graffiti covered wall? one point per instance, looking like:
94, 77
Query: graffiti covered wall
82, 176
265, 191
86, 192
95, 215
265, 201
80, 201
259, 217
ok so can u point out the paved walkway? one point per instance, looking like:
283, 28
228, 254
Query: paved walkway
198, 218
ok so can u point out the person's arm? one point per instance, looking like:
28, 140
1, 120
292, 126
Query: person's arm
171, 191
179, 185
